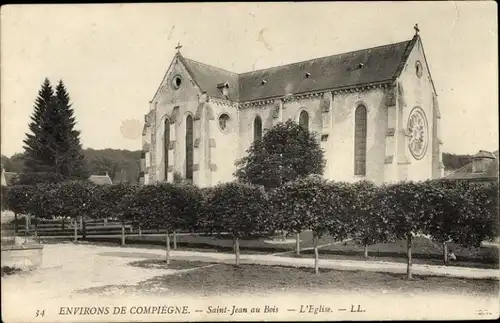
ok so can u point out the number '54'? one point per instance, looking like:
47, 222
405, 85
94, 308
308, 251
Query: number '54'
40, 313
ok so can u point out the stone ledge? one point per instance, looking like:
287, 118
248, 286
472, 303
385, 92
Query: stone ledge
22, 246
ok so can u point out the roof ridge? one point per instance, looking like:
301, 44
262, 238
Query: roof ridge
208, 65
458, 169
326, 56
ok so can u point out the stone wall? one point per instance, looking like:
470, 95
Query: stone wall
28, 256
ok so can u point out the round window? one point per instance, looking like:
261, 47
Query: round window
223, 121
418, 133
418, 68
176, 82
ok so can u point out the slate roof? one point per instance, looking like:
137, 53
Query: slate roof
466, 173
379, 64
208, 77
100, 179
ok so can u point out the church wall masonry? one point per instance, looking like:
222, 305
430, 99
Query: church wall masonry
416, 91
392, 82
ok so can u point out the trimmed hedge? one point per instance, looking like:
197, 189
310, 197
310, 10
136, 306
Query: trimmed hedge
465, 214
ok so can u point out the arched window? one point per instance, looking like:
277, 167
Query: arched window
360, 141
166, 144
257, 128
304, 120
189, 147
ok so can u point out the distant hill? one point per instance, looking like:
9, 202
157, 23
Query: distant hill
452, 161
121, 165
125, 164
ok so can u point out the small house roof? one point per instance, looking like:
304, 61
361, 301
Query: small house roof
100, 179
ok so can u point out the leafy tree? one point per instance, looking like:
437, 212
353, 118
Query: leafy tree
165, 206
478, 220
444, 211
39, 178
53, 145
367, 226
18, 200
239, 209
77, 199
116, 201
285, 153
403, 205
311, 204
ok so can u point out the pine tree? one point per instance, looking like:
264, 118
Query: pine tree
54, 145
71, 162
35, 158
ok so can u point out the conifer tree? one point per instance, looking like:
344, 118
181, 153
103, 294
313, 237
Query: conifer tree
71, 160
35, 158
54, 145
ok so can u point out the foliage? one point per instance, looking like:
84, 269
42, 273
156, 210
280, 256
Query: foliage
36, 156
39, 178
122, 165
285, 153
239, 209
403, 205
302, 205
367, 226
478, 220
76, 198
53, 144
115, 201
13, 164
452, 161
44, 201
18, 198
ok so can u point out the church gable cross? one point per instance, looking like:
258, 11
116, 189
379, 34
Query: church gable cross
178, 47
416, 29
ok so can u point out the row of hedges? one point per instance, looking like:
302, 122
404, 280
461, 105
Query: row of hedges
462, 213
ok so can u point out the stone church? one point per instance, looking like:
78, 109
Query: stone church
375, 112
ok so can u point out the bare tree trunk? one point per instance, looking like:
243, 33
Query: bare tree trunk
366, 251
84, 229
36, 230
63, 223
445, 253
75, 226
408, 255
26, 228
15, 223
297, 244
316, 255
237, 250
123, 233
175, 240
167, 245
140, 230
283, 235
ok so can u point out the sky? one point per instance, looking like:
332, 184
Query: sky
113, 57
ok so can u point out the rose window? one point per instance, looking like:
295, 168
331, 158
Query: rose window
417, 133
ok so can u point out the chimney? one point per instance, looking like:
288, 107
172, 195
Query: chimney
481, 161
224, 88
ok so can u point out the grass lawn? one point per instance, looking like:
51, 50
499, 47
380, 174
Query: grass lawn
174, 264
223, 279
424, 251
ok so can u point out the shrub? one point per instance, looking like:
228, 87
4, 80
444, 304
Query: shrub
238, 209
285, 153
367, 226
